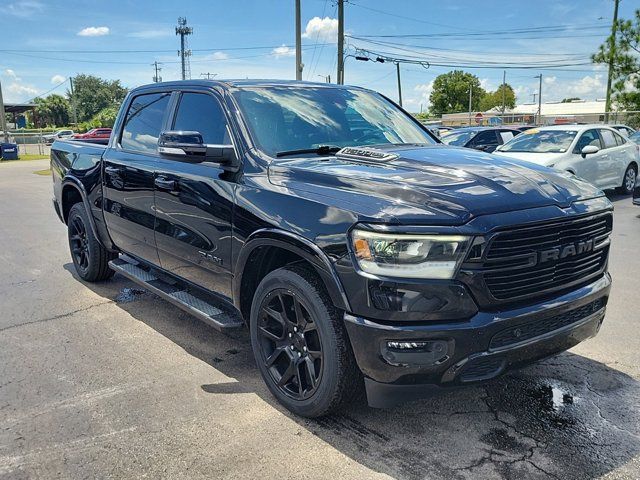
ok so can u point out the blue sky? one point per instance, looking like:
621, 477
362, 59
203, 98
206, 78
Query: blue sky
51, 41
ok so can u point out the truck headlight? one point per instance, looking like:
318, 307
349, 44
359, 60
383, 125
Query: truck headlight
409, 256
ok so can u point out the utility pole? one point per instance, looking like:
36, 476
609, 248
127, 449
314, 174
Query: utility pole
399, 84
340, 42
73, 102
3, 119
157, 78
184, 53
208, 75
504, 82
299, 65
470, 98
539, 100
612, 48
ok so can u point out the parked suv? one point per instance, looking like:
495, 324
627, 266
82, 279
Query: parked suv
358, 250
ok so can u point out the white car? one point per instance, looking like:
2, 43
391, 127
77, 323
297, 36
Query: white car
595, 153
59, 135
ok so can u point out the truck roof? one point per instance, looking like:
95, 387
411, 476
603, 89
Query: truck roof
239, 83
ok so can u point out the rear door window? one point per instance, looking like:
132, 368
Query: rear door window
620, 140
143, 123
608, 138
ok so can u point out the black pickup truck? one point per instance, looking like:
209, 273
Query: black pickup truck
359, 251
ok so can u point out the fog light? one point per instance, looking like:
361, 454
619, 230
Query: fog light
406, 345
437, 346
418, 352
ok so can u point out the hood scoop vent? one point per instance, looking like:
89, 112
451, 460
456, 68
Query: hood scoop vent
364, 154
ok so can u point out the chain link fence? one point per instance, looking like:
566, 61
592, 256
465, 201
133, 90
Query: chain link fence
630, 118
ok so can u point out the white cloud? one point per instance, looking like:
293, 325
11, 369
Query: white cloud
23, 9
554, 89
325, 29
423, 93
283, 51
94, 32
150, 34
11, 74
58, 79
219, 56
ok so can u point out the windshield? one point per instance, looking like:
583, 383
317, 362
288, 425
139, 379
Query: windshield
459, 139
283, 119
540, 141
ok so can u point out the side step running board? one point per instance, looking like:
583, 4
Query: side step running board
195, 303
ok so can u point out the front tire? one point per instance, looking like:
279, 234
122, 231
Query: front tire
90, 258
629, 180
300, 344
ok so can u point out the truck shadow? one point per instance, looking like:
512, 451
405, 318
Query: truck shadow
568, 417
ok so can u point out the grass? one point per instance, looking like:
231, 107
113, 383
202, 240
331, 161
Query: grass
33, 156
45, 172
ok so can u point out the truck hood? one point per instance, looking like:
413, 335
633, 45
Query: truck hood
436, 183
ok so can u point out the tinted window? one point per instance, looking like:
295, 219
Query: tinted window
143, 123
608, 138
487, 137
202, 113
590, 137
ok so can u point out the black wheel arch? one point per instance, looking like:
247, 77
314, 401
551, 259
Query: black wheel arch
296, 249
73, 192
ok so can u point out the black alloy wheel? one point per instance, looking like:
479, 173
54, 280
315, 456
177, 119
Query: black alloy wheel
89, 256
290, 344
300, 343
79, 243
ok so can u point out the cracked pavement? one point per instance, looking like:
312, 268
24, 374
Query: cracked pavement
108, 381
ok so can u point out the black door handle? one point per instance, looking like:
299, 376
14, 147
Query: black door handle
111, 170
164, 183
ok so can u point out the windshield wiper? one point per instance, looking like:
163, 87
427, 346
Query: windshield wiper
320, 150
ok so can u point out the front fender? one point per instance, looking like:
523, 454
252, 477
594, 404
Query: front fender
300, 246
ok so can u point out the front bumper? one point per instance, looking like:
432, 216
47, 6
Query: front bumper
478, 349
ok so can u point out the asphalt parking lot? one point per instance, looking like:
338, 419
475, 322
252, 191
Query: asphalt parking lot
108, 381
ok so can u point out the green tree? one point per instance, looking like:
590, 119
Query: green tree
626, 62
105, 117
494, 99
570, 99
451, 92
93, 94
51, 111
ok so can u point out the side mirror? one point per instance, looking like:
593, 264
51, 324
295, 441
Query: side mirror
589, 150
190, 145
182, 144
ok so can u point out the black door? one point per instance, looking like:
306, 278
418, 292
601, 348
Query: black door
194, 201
128, 180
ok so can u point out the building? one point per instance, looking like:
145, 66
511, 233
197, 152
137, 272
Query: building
553, 113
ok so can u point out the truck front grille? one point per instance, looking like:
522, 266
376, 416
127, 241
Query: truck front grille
528, 261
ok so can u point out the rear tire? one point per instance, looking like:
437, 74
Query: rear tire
629, 180
90, 258
300, 344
